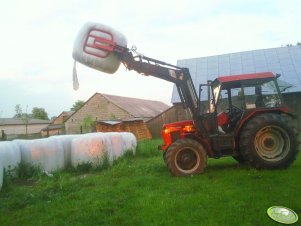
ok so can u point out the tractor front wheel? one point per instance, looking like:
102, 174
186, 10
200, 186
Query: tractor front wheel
186, 157
268, 142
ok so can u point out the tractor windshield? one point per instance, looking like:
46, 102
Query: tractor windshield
261, 94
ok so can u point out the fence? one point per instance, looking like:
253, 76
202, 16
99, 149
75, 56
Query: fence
9, 137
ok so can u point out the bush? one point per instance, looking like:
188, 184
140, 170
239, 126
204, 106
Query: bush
27, 171
22, 172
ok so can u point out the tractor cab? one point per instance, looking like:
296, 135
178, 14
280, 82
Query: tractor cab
230, 99
227, 103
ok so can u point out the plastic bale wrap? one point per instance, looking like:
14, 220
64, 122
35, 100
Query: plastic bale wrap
90, 148
87, 51
122, 142
95, 147
66, 142
116, 144
129, 142
46, 153
10, 154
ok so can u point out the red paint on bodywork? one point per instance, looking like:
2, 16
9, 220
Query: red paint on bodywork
222, 119
233, 78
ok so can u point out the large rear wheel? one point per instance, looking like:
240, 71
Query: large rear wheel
267, 141
186, 157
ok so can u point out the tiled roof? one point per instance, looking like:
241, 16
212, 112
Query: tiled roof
139, 108
53, 127
68, 112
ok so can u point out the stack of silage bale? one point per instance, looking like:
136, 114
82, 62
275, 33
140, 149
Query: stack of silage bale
60, 152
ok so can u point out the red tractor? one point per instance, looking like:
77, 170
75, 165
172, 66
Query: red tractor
242, 116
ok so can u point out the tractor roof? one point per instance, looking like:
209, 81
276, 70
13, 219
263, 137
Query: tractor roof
233, 78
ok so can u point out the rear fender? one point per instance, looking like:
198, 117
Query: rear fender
256, 112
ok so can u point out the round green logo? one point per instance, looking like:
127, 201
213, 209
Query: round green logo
282, 214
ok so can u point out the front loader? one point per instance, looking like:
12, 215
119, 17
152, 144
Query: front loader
242, 116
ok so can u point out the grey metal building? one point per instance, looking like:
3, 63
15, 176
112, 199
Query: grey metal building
283, 60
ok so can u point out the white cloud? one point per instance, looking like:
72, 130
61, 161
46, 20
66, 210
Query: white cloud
37, 38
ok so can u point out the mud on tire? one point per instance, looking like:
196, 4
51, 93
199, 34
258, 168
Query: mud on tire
186, 157
268, 142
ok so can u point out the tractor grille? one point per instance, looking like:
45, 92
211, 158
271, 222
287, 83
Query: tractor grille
175, 135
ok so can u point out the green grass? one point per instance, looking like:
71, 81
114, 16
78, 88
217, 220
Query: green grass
139, 190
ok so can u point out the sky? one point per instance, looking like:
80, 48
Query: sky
37, 39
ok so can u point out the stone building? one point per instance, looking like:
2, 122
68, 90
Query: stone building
57, 126
102, 107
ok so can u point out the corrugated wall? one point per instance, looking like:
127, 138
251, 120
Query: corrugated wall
174, 114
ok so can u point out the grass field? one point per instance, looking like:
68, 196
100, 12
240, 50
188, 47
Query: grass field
139, 190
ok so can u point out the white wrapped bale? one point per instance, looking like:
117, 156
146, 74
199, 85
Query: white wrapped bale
1, 174
10, 154
66, 142
90, 148
117, 143
93, 47
122, 143
95, 147
129, 142
46, 153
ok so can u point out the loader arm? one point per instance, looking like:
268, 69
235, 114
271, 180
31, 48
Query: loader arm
152, 67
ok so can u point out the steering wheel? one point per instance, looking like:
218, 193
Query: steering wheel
234, 115
235, 109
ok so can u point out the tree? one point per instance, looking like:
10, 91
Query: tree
23, 116
77, 105
18, 111
39, 113
88, 123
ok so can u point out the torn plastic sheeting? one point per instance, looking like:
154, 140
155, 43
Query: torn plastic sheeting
46, 153
86, 47
10, 154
